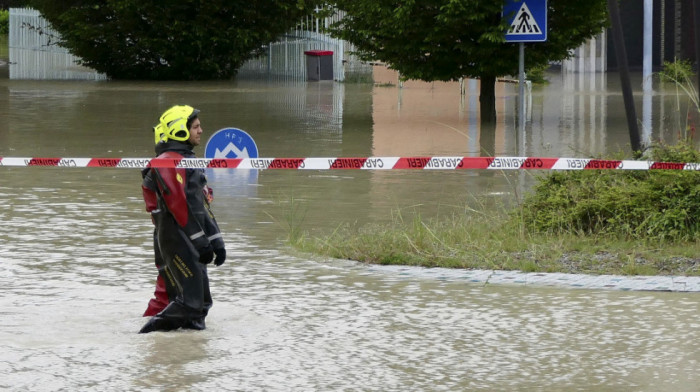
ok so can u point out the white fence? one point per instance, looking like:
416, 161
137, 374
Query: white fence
589, 57
285, 58
35, 54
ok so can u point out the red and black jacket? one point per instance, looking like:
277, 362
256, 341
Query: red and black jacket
182, 193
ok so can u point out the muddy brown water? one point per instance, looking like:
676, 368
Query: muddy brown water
77, 260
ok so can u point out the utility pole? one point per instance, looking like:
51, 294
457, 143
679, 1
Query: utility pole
621, 54
696, 27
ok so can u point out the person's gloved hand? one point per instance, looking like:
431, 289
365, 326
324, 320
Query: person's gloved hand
220, 256
206, 254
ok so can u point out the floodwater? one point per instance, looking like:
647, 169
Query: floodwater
77, 259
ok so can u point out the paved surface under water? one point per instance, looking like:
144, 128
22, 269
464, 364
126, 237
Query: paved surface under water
77, 259
610, 282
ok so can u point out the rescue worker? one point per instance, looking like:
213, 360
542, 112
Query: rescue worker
187, 237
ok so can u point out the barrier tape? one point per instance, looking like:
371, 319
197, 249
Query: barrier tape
367, 163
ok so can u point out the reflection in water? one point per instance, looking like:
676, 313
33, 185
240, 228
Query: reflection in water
77, 268
435, 119
174, 361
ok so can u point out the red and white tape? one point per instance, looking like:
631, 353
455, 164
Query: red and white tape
367, 163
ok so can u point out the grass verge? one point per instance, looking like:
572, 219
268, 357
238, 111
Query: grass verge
589, 221
494, 241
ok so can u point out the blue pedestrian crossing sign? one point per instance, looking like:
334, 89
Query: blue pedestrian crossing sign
231, 143
527, 20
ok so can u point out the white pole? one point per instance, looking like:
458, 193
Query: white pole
521, 97
646, 72
646, 67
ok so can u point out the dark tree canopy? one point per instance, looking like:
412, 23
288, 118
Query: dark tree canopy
170, 39
449, 39
5, 4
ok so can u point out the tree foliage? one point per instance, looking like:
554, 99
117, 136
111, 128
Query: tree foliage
450, 39
170, 39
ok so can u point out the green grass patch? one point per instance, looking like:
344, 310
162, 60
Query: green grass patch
475, 241
589, 221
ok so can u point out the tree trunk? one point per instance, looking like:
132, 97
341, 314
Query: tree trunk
487, 139
487, 99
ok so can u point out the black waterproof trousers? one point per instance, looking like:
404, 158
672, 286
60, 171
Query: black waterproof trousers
193, 299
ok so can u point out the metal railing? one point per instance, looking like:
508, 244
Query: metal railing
34, 51
285, 57
590, 57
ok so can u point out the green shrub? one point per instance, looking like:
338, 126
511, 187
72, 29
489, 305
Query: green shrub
680, 73
536, 74
640, 205
4, 21
183, 40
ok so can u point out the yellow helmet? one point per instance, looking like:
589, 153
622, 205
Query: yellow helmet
160, 134
174, 124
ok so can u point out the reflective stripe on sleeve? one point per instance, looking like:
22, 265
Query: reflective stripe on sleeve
196, 235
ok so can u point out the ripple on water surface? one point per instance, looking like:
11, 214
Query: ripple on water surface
77, 273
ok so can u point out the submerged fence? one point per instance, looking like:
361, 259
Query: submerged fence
590, 57
285, 57
35, 53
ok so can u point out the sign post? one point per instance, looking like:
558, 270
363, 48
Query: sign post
528, 23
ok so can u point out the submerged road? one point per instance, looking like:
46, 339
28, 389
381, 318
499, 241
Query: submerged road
611, 282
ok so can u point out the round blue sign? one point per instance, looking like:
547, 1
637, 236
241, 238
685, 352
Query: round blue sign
231, 143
